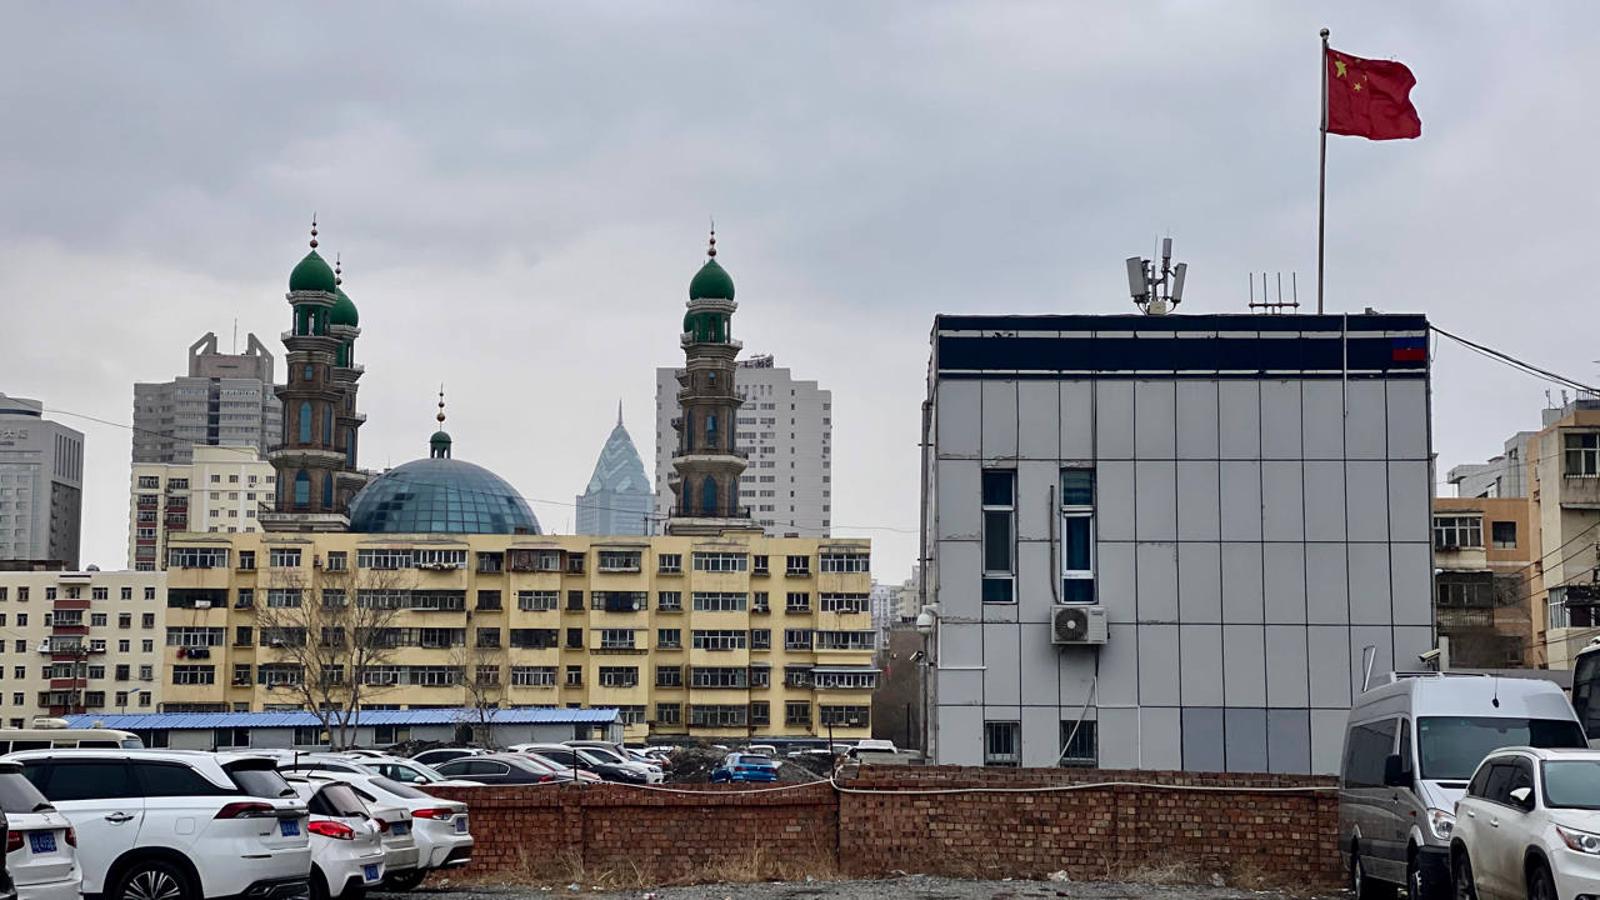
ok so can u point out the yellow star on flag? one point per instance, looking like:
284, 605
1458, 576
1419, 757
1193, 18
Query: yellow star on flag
1355, 87
1338, 66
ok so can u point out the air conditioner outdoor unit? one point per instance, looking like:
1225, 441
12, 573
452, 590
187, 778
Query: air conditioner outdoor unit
1078, 625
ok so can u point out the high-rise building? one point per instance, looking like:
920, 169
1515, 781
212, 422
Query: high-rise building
81, 641
618, 499
785, 430
226, 400
1173, 542
316, 462
222, 490
41, 484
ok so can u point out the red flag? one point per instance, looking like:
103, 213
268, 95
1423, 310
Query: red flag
1370, 98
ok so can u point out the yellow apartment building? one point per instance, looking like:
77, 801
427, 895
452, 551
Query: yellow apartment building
730, 636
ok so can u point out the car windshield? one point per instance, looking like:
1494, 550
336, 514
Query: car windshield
410, 773
338, 800
1572, 783
589, 756
604, 754
1453, 746
18, 795
259, 781
399, 790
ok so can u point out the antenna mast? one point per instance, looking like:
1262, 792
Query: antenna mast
1156, 290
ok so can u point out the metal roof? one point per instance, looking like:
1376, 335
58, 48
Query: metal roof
199, 721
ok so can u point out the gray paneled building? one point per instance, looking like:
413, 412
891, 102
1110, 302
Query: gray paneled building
41, 485
1170, 538
227, 399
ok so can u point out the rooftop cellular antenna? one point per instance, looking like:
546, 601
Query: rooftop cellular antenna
1156, 290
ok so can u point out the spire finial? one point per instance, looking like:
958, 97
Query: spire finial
313, 231
338, 272
440, 416
711, 251
619, 412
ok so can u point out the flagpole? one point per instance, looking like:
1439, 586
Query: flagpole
1322, 170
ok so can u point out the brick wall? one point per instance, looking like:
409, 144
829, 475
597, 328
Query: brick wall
1098, 832
721, 832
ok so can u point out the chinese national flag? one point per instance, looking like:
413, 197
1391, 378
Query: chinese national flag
1370, 98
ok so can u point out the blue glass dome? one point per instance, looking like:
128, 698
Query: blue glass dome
440, 496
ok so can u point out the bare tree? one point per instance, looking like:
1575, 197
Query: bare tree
482, 661
331, 633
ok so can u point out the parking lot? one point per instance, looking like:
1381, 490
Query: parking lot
908, 888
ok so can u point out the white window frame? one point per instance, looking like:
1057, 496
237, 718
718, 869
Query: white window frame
1075, 512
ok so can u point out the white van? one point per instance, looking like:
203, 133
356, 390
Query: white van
15, 740
1410, 747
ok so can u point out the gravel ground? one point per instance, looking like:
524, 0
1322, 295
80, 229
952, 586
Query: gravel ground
915, 887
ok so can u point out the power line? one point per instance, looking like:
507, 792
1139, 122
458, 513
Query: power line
1515, 363
651, 516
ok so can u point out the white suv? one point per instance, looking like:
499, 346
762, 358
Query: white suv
1529, 826
177, 825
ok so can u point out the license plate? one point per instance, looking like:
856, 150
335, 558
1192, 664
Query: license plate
289, 827
370, 873
42, 841
461, 825
399, 829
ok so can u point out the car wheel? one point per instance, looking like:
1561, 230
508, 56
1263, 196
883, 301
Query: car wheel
1541, 886
153, 880
319, 885
1461, 874
404, 881
1363, 887
1417, 885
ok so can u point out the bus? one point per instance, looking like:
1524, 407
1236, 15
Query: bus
13, 740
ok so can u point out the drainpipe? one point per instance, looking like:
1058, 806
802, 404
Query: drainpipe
924, 559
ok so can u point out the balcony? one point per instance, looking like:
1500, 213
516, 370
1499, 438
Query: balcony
1580, 492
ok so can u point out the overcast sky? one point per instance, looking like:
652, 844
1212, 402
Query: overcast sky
520, 193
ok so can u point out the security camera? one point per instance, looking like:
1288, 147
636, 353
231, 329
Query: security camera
1432, 656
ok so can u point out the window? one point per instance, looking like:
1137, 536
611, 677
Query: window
85, 780
844, 681
1583, 454
100, 593
797, 639
798, 602
760, 639
575, 563
846, 640
842, 561
182, 558
439, 559
283, 557
540, 638
574, 638
383, 559
760, 713
1077, 536
669, 638
1456, 532
718, 715
1504, 535
844, 603
618, 560
575, 601
537, 601
760, 676
720, 677
721, 562
759, 564
244, 636
844, 716
488, 600
669, 563
1002, 743
999, 533
718, 640
669, 601
620, 601
1366, 748
146, 620
194, 674
488, 637
797, 566
718, 601
619, 676
797, 713
669, 676
533, 676
760, 603
1079, 747
574, 676
616, 639
97, 620
283, 598
669, 713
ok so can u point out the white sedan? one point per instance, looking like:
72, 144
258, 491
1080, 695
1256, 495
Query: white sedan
438, 826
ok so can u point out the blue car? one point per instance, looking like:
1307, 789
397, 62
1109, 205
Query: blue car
745, 767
